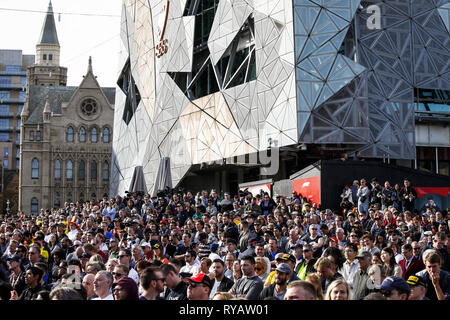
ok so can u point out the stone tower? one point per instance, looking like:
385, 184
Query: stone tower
46, 70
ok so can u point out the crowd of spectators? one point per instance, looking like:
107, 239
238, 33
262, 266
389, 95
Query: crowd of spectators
254, 247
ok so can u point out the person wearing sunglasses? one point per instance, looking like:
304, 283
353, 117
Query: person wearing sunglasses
199, 287
306, 265
395, 288
152, 282
125, 289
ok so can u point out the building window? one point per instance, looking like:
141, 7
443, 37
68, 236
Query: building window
18, 139
22, 96
4, 96
5, 80
106, 135
4, 136
17, 164
105, 171
81, 196
44, 57
34, 206
69, 170
4, 110
69, 134
5, 152
82, 134
38, 135
94, 135
50, 57
89, 107
12, 68
18, 153
35, 169
19, 122
81, 170
19, 110
5, 163
31, 135
93, 170
4, 124
57, 169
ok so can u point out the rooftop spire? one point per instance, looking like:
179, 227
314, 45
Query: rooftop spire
90, 65
48, 33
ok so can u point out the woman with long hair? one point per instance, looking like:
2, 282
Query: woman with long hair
390, 266
261, 268
237, 272
380, 241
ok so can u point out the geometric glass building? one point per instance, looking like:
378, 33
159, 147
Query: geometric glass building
205, 81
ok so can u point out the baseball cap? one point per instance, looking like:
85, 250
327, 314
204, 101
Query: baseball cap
288, 257
414, 281
201, 278
77, 243
364, 254
391, 283
428, 233
85, 255
284, 267
156, 246
146, 244
333, 239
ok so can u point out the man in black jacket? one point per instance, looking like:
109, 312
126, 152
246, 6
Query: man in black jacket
278, 289
220, 283
176, 288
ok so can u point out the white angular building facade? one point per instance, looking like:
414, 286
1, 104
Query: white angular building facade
206, 80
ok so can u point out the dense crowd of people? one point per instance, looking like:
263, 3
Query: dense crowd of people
178, 246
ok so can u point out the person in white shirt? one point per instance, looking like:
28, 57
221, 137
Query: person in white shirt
102, 285
350, 266
191, 265
124, 258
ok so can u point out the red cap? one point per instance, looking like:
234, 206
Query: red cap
333, 239
201, 278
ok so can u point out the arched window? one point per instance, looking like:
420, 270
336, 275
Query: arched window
81, 170
93, 170
106, 135
82, 134
105, 171
35, 169
69, 169
69, 134
57, 169
94, 135
34, 205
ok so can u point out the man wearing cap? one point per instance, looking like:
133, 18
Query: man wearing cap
395, 288
199, 287
17, 277
361, 277
306, 265
418, 288
278, 289
249, 285
250, 251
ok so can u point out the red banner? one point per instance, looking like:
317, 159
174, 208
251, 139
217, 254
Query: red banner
422, 191
309, 188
